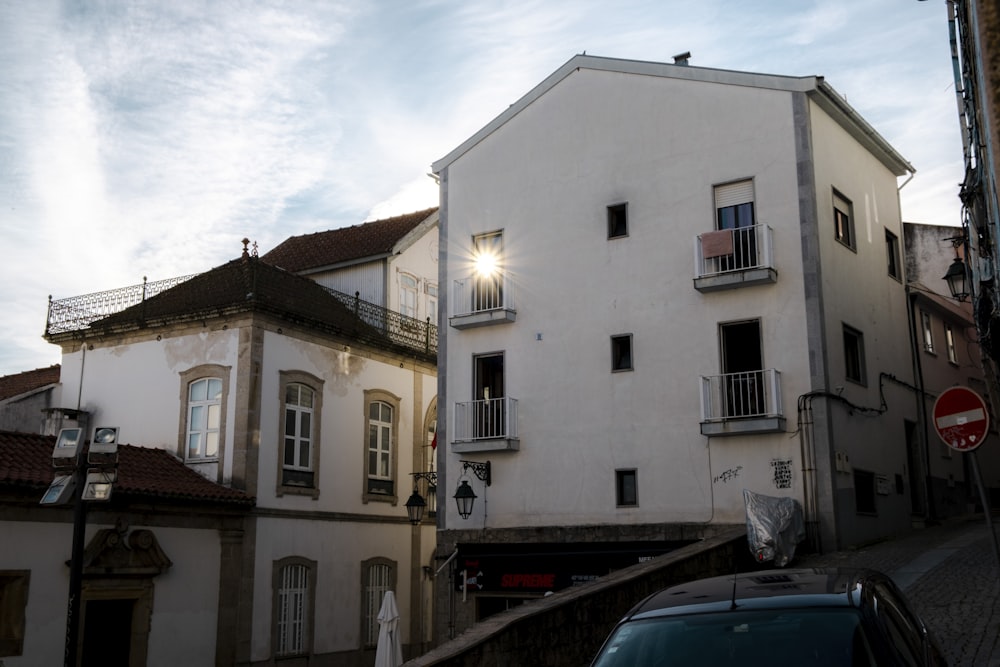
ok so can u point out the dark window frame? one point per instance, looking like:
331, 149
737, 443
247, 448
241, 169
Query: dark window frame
618, 221
625, 496
843, 221
854, 356
622, 353
893, 266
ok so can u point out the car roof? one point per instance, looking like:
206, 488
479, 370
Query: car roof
765, 589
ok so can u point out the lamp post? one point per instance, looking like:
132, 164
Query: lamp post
78, 481
958, 280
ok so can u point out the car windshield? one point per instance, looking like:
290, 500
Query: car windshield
746, 638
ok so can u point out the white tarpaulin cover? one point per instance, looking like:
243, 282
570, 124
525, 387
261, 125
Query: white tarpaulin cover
389, 650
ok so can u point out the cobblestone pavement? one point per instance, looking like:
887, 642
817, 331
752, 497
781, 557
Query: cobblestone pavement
951, 576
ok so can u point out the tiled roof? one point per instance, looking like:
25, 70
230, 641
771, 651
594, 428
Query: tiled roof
21, 383
243, 285
371, 239
143, 472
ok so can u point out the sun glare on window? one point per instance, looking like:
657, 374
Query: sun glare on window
486, 264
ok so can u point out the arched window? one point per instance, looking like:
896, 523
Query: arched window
294, 585
381, 419
407, 295
204, 396
378, 575
301, 407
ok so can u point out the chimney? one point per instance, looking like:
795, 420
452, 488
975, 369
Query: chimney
682, 58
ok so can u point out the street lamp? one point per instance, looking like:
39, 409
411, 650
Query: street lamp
416, 505
464, 496
957, 279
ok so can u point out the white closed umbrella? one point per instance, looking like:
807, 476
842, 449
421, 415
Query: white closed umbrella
389, 650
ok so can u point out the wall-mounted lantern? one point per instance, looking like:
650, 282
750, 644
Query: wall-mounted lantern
464, 496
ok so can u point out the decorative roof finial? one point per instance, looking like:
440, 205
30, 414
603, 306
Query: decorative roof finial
246, 242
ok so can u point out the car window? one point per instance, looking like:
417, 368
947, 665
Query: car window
829, 637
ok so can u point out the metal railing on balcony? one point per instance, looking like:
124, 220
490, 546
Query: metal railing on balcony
741, 395
402, 329
486, 419
79, 312
480, 294
730, 250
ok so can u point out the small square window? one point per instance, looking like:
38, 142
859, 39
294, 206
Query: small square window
854, 355
617, 221
626, 492
892, 255
621, 352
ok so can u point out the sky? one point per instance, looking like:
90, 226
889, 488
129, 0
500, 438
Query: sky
147, 138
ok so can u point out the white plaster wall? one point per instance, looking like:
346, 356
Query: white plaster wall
185, 598
421, 261
338, 549
136, 386
344, 424
546, 178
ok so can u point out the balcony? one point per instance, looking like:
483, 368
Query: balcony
741, 403
486, 425
731, 258
482, 301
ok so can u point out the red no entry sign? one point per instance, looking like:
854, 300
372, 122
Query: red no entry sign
961, 418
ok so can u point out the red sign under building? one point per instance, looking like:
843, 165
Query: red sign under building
961, 418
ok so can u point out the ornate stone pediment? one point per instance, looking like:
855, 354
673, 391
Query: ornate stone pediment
120, 553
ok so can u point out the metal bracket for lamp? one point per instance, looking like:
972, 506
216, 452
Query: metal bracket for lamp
482, 471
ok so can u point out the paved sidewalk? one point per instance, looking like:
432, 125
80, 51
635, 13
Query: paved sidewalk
950, 574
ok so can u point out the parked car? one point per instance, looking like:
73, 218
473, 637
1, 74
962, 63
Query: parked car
774, 618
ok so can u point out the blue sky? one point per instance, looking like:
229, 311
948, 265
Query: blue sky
147, 138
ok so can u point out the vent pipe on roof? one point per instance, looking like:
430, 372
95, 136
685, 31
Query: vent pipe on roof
682, 58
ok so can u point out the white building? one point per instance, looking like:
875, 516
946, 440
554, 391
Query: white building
317, 406
697, 289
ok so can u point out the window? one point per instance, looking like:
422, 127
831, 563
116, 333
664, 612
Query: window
432, 302
617, 221
294, 594
625, 488
301, 401
843, 220
734, 212
864, 491
949, 341
487, 253
204, 392
407, 295
489, 416
621, 352
854, 355
925, 324
743, 369
378, 575
381, 415
13, 602
892, 255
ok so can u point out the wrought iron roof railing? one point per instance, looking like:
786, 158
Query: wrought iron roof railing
79, 312
401, 329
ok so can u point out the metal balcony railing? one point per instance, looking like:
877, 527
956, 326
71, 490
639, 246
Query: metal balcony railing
479, 294
486, 419
730, 250
402, 329
79, 312
741, 395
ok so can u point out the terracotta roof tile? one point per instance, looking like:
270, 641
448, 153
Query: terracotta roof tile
370, 239
143, 472
243, 285
21, 383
